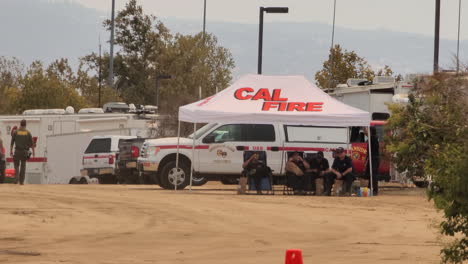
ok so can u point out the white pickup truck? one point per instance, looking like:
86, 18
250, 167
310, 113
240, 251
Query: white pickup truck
219, 150
99, 159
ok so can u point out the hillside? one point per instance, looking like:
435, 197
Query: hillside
45, 30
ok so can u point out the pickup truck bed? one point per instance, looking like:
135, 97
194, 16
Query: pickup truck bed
129, 151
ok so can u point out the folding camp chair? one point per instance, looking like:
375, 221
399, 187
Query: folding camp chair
266, 183
288, 184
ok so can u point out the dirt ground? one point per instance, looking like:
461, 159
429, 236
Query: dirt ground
144, 224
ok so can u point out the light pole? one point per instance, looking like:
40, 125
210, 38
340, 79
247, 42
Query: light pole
111, 55
436, 36
277, 10
158, 78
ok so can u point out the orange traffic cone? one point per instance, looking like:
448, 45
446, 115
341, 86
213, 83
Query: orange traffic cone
293, 256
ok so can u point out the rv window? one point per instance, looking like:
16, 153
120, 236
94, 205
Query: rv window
316, 134
99, 145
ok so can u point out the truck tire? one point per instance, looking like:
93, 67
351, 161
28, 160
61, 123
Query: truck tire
198, 180
168, 176
73, 181
229, 181
421, 184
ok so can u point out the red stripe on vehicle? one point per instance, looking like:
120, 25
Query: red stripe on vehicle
35, 159
183, 147
98, 157
301, 149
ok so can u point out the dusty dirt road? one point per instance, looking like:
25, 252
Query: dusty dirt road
144, 224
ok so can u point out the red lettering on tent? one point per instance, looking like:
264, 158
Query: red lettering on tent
296, 107
239, 96
314, 107
277, 95
205, 101
282, 106
269, 105
262, 94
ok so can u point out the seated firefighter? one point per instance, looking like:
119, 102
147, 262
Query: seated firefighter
257, 169
296, 172
319, 166
342, 169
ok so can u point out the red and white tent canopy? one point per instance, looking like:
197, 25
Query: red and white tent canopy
274, 99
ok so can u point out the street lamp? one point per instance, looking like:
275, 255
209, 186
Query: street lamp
275, 10
158, 78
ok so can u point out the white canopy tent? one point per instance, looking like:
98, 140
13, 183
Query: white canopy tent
273, 99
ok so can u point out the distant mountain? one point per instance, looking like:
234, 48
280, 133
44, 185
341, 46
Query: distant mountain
46, 30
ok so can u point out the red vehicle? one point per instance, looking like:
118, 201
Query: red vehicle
359, 150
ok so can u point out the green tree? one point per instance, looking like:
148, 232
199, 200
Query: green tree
342, 65
148, 49
11, 71
86, 81
49, 87
142, 40
429, 138
194, 62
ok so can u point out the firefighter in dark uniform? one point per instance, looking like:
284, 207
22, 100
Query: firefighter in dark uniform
22, 140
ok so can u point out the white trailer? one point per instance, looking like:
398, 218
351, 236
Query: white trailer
372, 98
60, 139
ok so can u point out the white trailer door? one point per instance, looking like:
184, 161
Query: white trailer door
64, 154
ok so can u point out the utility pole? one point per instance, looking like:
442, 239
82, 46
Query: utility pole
436, 36
458, 39
100, 75
332, 62
204, 18
111, 62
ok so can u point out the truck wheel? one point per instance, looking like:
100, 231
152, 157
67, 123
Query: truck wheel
169, 174
421, 184
73, 181
229, 181
198, 180
83, 181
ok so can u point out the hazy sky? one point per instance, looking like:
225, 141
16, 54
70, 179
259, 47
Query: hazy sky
415, 16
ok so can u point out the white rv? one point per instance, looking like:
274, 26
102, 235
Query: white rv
61, 138
372, 97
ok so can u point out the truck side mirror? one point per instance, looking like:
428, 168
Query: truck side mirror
209, 139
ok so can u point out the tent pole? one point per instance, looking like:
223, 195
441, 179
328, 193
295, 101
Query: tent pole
370, 159
177, 158
193, 155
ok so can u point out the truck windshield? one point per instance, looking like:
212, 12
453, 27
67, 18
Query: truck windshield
200, 132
